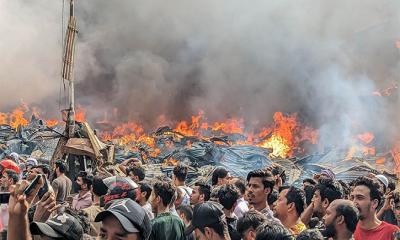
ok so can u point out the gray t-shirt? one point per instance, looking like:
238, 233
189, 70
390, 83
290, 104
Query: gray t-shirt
62, 187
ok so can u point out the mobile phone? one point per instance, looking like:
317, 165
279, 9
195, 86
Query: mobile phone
33, 184
43, 189
4, 197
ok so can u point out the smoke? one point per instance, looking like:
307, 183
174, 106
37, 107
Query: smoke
228, 58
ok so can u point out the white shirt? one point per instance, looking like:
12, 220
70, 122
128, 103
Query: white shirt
241, 207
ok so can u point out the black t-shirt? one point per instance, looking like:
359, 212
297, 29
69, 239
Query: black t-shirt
233, 233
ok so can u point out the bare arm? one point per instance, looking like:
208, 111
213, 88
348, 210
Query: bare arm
307, 214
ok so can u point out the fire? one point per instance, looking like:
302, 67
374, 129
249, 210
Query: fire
80, 114
396, 157
170, 162
364, 146
16, 118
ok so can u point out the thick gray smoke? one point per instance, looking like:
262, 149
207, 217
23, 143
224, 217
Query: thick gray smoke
228, 58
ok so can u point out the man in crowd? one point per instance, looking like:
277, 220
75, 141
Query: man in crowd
220, 176
142, 198
84, 197
124, 219
8, 178
39, 169
289, 207
260, 184
136, 173
200, 194
179, 176
61, 185
209, 222
227, 196
271, 230
185, 212
325, 192
340, 220
165, 225
241, 205
247, 225
367, 196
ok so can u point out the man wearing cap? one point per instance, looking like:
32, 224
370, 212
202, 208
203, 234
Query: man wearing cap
165, 225
124, 219
209, 222
63, 226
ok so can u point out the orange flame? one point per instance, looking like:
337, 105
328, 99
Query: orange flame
396, 156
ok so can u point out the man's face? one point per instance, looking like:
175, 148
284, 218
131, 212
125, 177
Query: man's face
5, 180
329, 220
223, 181
397, 211
79, 181
281, 206
361, 198
33, 172
111, 229
133, 177
195, 196
317, 204
256, 192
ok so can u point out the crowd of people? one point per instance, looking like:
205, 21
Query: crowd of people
122, 203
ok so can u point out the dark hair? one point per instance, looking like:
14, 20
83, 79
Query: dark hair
278, 170
86, 178
137, 171
82, 217
241, 185
45, 169
273, 231
219, 172
165, 190
180, 172
272, 197
310, 234
396, 197
310, 181
250, 219
266, 176
62, 167
309, 192
372, 185
391, 185
186, 210
228, 195
329, 189
99, 188
345, 188
13, 175
350, 214
204, 189
295, 195
221, 228
144, 187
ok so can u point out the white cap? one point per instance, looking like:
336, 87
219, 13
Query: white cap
383, 179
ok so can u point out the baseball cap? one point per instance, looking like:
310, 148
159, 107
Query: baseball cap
383, 179
328, 173
63, 226
118, 188
131, 215
205, 214
31, 162
9, 164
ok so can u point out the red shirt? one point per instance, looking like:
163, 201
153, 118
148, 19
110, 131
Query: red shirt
384, 231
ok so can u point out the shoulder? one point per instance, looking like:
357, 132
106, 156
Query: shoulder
389, 227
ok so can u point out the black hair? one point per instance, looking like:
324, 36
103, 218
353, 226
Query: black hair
99, 188
250, 219
204, 189
310, 181
241, 185
228, 195
272, 197
273, 231
82, 217
221, 228
372, 185
310, 234
391, 185
45, 169
219, 172
396, 197
86, 178
13, 175
165, 190
266, 176
144, 187
187, 210
62, 167
329, 189
350, 214
180, 172
278, 170
309, 192
295, 195
345, 188
137, 171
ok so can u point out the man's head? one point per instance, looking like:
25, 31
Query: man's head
396, 210
227, 196
260, 184
341, 217
136, 173
98, 187
209, 222
61, 226
124, 219
185, 212
310, 234
383, 182
273, 231
84, 181
39, 169
162, 195
201, 193
179, 174
291, 202
326, 191
309, 181
367, 196
144, 192
60, 167
8, 178
220, 176
240, 183
248, 224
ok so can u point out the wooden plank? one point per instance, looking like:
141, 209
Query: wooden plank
79, 146
95, 142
